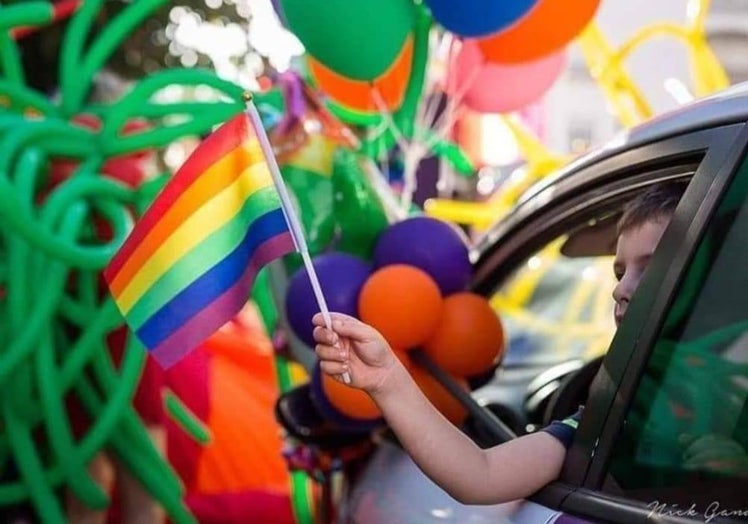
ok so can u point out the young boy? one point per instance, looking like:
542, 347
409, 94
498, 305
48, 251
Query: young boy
512, 470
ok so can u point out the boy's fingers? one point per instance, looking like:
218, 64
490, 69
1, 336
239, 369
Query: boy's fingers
330, 353
319, 319
350, 327
325, 336
335, 369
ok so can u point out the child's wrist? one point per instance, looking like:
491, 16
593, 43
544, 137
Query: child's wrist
393, 380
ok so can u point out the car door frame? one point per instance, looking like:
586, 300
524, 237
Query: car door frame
724, 150
583, 193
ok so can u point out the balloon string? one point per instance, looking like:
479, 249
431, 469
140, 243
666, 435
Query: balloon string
448, 79
429, 105
384, 159
454, 107
413, 152
412, 157
383, 190
402, 142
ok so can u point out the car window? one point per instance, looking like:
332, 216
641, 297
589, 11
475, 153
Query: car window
685, 438
556, 307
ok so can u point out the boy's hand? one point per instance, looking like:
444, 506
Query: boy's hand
355, 348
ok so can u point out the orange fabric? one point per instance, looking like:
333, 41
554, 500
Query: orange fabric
246, 447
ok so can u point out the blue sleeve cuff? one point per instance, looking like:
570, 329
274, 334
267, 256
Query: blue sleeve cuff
565, 429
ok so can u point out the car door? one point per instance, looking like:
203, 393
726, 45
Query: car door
663, 436
584, 198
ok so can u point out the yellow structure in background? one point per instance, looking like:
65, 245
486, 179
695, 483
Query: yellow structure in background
539, 161
606, 66
559, 307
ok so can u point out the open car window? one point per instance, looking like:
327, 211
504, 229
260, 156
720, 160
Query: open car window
555, 302
685, 436
557, 306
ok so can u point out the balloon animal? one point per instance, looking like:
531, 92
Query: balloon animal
56, 233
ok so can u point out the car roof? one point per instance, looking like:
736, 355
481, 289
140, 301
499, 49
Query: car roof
729, 106
725, 107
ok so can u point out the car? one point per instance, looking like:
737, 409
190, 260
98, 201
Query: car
674, 371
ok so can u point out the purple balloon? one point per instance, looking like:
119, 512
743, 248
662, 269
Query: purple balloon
341, 277
434, 246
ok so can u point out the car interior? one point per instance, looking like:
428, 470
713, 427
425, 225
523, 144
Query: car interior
557, 310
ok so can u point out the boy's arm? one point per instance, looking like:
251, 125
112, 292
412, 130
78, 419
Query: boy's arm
471, 475
510, 471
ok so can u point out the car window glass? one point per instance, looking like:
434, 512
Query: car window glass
685, 438
557, 308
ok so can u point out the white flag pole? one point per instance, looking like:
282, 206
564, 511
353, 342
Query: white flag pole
297, 233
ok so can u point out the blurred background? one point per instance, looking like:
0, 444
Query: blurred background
245, 42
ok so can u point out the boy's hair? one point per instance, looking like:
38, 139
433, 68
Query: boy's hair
655, 203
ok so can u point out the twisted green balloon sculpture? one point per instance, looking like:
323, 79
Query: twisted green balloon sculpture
53, 316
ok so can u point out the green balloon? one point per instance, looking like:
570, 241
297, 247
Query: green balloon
358, 39
353, 117
358, 211
312, 193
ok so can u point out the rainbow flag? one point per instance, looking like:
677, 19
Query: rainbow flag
188, 266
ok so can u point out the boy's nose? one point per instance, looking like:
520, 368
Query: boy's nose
622, 295
618, 293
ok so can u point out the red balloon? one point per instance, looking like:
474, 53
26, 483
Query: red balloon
469, 338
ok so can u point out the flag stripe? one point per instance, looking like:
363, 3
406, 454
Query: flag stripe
213, 283
211, 318
209, 218
201, 258
225, 139
217, 177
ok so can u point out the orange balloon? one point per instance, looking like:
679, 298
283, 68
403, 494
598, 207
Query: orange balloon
359, 95
469, 338
403, 303
352, 402
549, 26
442, 399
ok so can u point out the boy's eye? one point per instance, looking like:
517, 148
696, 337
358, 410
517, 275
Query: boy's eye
618, 274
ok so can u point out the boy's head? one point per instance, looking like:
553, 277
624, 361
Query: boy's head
643, 221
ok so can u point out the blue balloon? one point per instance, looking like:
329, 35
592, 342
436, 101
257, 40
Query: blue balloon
434, 246
341, 277
473, 18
